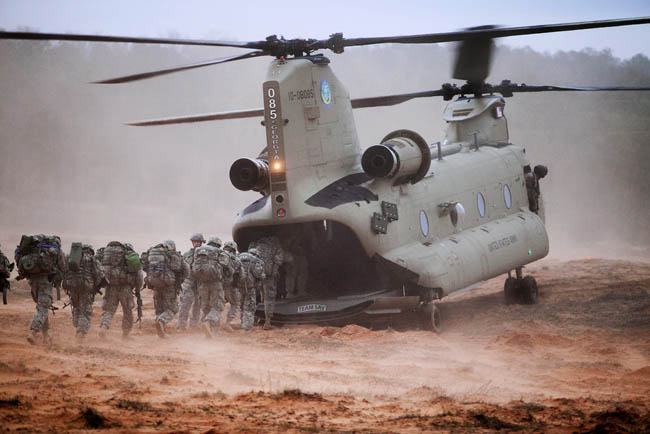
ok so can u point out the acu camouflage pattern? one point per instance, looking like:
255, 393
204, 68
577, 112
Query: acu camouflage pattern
251, 276
82, 286
190, 296
120, 293
41, 283
272, 255
211, 291
231, 286
165, 279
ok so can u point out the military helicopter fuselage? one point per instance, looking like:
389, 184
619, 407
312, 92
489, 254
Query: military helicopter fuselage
425, 219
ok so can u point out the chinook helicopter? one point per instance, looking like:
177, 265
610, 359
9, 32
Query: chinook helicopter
406, 222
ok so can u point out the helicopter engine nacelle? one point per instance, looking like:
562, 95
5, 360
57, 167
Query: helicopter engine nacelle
250, 174
403, 155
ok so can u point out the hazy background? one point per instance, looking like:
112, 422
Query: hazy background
69, 166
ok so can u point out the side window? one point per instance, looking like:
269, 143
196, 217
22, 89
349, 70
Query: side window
507, 197
424, 223
480, 202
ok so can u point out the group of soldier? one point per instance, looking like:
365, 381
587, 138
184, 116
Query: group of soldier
196, 285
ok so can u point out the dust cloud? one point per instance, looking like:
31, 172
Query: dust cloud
70, 166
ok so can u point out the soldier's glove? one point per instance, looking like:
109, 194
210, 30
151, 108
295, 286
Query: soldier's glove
11, 267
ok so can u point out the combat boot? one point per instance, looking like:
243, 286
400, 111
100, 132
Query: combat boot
267, 323
160, 329
227, 327
126, 334
81, 337
31, 337
207, 330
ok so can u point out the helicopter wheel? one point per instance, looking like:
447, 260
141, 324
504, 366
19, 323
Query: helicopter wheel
510, 290
528, 290
435, 319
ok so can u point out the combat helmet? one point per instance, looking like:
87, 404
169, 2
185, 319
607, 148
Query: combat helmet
215, 241
231, 245
254, 252
197, 236
88, 247
129, 246
171, 245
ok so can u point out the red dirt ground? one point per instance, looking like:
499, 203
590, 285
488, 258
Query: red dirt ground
578, 361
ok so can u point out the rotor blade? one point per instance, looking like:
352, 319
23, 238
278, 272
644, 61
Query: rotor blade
544, 88
378, 101
200, 118
465, 35
144, 75
388, 100
135, 40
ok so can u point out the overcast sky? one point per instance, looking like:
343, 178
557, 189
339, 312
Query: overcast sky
256, 19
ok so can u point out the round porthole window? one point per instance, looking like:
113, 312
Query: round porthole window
424, 223
507, 196
480, 202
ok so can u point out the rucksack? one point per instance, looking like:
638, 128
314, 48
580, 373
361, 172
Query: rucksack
82, 279
157, 265
38, 254
205, 267
74, 259
114, 263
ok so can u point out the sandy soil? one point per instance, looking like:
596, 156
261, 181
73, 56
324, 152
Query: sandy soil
578, 361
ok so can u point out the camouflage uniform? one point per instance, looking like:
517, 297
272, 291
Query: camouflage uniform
190, 294
273, 256
211, 288
230, 284
119, 293
82, 286
250, 282
165, 280
296, 266
40, 282
5, 272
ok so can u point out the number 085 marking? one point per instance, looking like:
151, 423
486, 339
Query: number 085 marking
273, 114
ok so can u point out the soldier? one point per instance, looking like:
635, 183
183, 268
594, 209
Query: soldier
166, 270
208, 274
190, 292
123, 270
295, 264
82, 280
272, 254
231, 286
5, 272
250, 282
532, 185
39, 257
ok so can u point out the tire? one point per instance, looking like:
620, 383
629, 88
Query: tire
510, 290
435, 319
528, 290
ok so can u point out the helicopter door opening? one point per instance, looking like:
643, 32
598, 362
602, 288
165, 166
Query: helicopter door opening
326, 259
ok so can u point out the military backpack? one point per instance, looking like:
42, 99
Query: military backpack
205, 267
38, 254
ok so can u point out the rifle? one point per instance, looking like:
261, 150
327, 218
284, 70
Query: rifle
101, 284
4, 284
53, 308
139, 300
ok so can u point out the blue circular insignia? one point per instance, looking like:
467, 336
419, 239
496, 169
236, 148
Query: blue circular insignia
325, 92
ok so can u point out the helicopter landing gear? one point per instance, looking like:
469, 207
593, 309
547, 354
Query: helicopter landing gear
520, 289
436, 319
